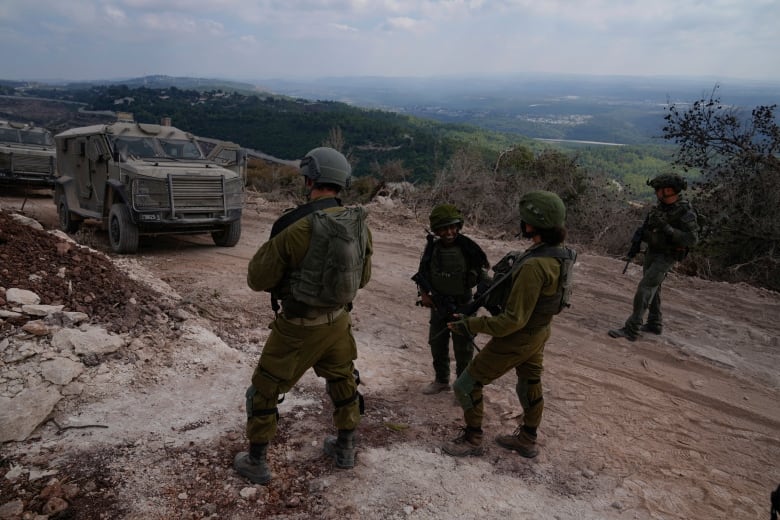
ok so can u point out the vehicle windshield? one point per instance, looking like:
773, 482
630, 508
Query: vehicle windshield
40, 138
12, 135
154, 148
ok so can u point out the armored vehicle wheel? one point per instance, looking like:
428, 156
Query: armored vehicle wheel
229, 235
67, 223
122, 232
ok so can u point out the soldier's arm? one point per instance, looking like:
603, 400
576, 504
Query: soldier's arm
527, 285
687, 235
282, 253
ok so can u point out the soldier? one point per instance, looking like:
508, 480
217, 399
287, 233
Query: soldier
451, 266
535, 289
669, 230
314, 327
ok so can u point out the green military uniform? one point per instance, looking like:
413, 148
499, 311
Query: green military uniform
301, 337
518, 338
670, 230
520, 327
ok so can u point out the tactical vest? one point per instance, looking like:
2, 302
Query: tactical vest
679, 215
449, 271
498, 291
330, 274
454, 270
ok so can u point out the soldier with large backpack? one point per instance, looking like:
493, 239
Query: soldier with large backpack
537, 287
670, 229
450, 267
318, 256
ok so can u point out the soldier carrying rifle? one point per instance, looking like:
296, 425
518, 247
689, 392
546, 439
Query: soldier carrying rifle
670, 229
451, 266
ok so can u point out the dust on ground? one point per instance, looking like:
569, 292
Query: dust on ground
678, 426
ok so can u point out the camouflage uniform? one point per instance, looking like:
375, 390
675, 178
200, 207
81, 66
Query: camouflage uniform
298, 340
452, 276
670, 230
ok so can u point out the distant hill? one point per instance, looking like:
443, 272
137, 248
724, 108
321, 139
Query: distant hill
420, 122
163, 82
614, 109
280, 126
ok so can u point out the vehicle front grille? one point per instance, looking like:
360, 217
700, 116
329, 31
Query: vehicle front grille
188, 194
22, 163
197, 193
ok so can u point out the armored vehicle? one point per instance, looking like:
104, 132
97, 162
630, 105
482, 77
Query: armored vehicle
144, 179
26, 154
224, 153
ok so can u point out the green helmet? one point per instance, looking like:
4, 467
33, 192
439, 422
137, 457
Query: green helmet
542, 209
326, 166
445, 215
668, 180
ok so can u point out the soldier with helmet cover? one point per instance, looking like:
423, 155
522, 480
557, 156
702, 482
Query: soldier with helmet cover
451, 266
535, 288
312, 300
670, 229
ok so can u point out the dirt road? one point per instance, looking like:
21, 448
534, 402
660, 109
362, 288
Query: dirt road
679, 426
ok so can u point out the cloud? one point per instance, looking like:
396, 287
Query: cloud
396, 37
402, 23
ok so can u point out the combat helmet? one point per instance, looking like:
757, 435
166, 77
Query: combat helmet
668, 180
542, 209
325, 165
445, 215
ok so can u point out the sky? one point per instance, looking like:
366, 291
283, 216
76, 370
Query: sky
252, 40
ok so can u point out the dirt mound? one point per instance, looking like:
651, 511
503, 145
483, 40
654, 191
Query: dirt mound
63, 273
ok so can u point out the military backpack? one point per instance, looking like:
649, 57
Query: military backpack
497, 290
331, 272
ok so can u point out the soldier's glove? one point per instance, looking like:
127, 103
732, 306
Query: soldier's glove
460, 327
668, 230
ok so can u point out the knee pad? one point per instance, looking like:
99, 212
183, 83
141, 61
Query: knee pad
257, 406
342, 392
529, 391
463, 387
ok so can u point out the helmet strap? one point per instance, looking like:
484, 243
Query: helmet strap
524, 230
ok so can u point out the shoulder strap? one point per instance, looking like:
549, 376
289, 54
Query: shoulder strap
475, 256
430, 241
291, 217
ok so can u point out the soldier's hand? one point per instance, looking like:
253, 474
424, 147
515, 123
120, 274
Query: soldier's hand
460, 327
426, 300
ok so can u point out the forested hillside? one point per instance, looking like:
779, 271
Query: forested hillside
285, 127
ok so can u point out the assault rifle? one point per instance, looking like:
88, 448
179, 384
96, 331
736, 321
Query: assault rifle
636, 244
443, 305
483, 291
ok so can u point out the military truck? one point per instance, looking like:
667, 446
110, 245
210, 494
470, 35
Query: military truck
141, 179
26, 154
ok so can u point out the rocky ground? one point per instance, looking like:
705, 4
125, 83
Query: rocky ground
121, 391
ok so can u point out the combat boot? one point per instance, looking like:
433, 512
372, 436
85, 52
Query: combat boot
252, 464
654, 328
624, 332
435, 387
341, 448
468, 443
520, 441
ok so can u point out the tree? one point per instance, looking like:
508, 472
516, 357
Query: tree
335, 139
739, 190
